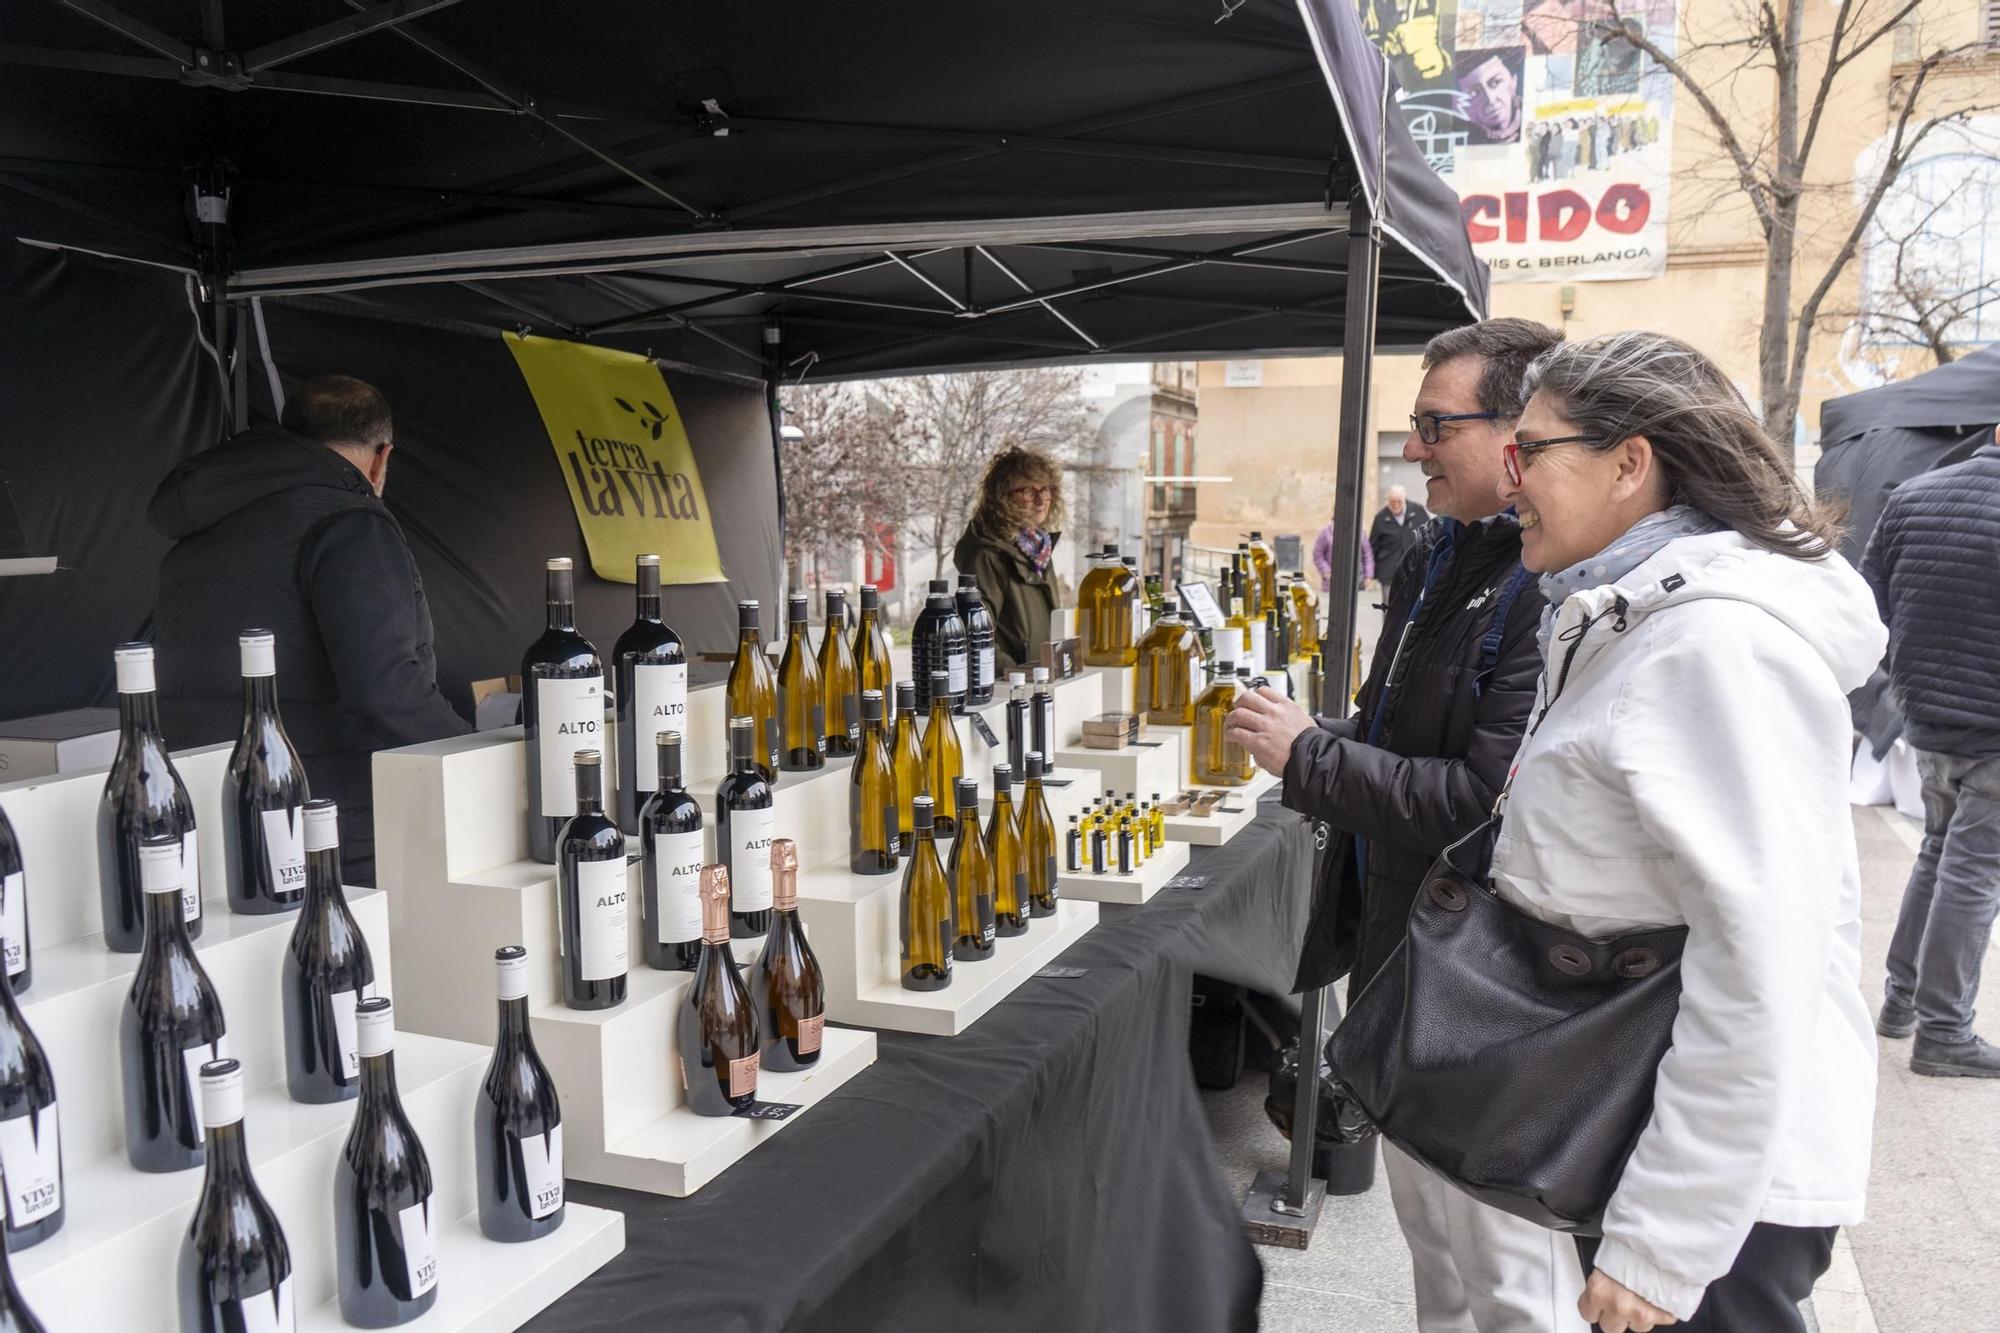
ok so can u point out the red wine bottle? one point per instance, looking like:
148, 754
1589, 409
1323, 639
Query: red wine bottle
517, 1123
263, 788
718, 1033
143, 798
787, 982
670, 843
235, 1271
385, 1211
745, 820
172, 1025
651, 663
562, 711
17, 954
30, 1132
327, 971
591, 893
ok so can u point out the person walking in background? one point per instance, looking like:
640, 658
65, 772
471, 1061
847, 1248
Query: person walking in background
1686, 767
283, 528
1007, 546
1395, 528
1415, 769
1323, 558
1932, 563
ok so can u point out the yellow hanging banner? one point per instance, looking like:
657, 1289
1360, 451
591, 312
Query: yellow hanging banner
625, 456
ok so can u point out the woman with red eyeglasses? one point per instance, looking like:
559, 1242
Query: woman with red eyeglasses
1007, 548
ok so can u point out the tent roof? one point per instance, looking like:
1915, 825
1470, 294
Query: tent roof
895, 186
1962, 393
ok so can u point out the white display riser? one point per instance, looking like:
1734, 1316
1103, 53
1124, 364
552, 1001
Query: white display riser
1156, 767
1131, 889
1215, 829
1250, 792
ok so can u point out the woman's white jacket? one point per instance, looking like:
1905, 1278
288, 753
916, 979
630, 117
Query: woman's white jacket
1691, 768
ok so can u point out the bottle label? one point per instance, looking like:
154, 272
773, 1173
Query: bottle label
416, 1227
190, 878
982, 903
542, 1171
14, 922
570, 714
31, 1154
750, 834
677, 860
346, 1053
810, 1032
985, 673
600, 915
819, 727
266, 1312
955, 667
285, 848
851, 704
1049, 869
192, 1059
771, 742
659, 703
743, 1076
1020, 891
892, 826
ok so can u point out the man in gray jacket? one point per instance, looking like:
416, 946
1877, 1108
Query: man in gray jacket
1932, 562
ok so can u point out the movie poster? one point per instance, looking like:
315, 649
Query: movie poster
1555, 128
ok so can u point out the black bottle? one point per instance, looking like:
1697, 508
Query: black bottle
30, 1133
517, 1121
562, 711
263, 788
1017, 721
235, 1269
938, 643
652, 669
745, 823
143, 798
385, 1213
979, 643
671, 849
172, 1025
591, 891
326, 972
15, 945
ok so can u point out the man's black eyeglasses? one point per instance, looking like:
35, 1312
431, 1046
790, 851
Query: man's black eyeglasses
1430, 425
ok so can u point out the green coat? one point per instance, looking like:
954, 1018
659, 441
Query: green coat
1020, 598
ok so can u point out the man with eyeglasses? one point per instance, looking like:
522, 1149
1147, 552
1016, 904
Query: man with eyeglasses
1417, 767
283, 529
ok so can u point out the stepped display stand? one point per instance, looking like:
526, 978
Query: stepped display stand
1131, 889
113, 1264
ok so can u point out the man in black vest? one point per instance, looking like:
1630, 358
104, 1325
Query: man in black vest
1417, 767
283, 528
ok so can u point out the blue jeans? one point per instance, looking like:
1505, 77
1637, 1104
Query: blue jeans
1952, 897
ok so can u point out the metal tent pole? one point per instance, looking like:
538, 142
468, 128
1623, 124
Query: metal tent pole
1282, 1210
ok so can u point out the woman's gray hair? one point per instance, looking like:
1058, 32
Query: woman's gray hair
1710, 444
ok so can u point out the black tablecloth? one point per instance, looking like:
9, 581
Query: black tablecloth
1049, 1169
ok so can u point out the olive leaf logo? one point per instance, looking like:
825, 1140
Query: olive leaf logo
653, 419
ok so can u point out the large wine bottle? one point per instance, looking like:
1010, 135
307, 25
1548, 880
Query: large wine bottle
873, 669
30, 1132
652, 673
926, 918
562, 711
787, 985
517, 1121
670, 877
235, 1271
1039, 844
15, 1316
873, 822
801, 696
840, 689
385, 1220
971, 875
719, 1033
143, 798
263, 788
944, 757
752, 691
745, 821
938, 643
906, 756
172, 1024
326, 973
17, 952
590, 896
979, 643
1010, 859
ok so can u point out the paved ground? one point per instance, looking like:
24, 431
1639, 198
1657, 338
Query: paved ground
1928, 1257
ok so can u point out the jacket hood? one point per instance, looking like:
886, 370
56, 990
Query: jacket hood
1824, 601
263, 461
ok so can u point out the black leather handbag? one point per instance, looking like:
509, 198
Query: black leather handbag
1513, 1057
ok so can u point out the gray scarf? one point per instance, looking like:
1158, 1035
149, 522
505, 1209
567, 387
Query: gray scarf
1638, 544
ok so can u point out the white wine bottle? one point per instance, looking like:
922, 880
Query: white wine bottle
927, 926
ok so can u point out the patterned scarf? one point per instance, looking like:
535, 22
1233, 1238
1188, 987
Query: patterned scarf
1639, 543
1037, 545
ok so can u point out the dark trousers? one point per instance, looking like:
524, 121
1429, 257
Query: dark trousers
1774, 1271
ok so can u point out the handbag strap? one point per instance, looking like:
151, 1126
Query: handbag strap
1574, 636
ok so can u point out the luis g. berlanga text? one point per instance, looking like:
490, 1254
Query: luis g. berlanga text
609, 472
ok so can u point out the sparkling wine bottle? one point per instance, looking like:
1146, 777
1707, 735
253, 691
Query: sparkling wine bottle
235, 1272
591, 888
873, 825
787, 984
971, 875
385, 1212
927, 925
517, 1121
719, 1033
944, 756
17, 953
143, 798
652, 670
171, 1026
745, 822
327, 971
30, 1132
801, 695
1010, 859
562, 711
1038, 843
263, 788
840, 690
670, 845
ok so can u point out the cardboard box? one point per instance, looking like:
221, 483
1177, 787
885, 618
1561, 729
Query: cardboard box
67, 742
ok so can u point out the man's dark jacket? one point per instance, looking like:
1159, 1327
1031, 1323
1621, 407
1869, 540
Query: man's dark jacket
1934, 563
279, 532
1447, 738
1390, 542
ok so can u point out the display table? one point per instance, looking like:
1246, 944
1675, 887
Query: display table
1050, 1168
